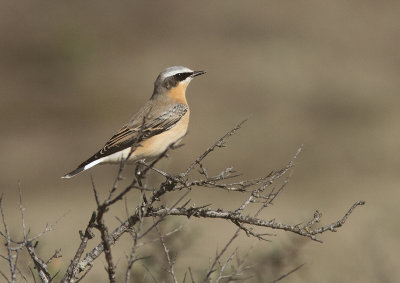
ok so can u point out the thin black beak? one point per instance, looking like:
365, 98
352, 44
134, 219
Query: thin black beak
197, 73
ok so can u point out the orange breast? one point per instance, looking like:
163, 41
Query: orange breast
178, 93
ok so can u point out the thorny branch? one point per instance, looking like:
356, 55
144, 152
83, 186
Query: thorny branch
73, 268
6, 235
40, 266
242, 219
100, 225
219, 143
257, 193
15, 247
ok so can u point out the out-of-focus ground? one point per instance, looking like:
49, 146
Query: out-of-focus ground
320, 73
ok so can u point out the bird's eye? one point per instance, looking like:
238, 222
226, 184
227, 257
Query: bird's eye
182, 76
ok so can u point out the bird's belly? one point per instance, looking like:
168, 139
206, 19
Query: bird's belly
156, 145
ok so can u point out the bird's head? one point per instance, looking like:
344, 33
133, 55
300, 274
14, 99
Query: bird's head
174, 77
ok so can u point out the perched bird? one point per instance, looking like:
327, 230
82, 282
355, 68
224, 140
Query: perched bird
161, 122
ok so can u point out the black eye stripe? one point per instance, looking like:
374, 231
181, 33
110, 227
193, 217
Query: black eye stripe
182, 76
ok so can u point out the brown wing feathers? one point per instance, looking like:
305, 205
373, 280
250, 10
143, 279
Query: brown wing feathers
134, 134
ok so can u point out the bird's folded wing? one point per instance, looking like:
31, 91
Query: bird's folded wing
142, 128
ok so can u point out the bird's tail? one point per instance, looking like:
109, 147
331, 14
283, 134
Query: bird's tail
73, 173
84, 166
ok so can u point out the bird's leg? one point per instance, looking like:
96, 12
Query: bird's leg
139, 177
139, 174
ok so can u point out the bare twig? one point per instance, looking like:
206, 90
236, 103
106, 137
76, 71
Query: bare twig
73, 268
172, 183
57, 254
101, 210
333, 226
219, 143
218, 256
39, 264
149, 272
235, 217
167, 255
288, 273
191, 274
33, 275
8, 244
132, 257
22, 210
257, 193
235, 273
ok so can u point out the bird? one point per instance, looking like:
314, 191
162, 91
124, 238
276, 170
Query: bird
160, 123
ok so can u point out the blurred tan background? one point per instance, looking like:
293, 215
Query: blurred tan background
320, 73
